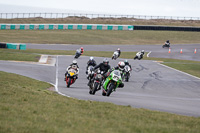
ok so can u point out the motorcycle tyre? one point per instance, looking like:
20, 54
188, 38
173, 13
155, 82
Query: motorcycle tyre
69, 83
111, 87
95, 88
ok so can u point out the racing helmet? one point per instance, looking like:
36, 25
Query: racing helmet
118, 49
91, 58
121, 65
142, 51
126, 61
81, 48
74, 62
105, 61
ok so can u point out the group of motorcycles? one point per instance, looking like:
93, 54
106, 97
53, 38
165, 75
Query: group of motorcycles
97, 80
109, 84
96, 77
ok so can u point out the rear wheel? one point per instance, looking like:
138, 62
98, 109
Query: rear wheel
69, 82
103, 93
110, 89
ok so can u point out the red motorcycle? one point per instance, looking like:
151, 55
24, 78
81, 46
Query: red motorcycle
71, 77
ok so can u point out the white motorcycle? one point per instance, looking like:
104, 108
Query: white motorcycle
115, 55
138, 56
127, 73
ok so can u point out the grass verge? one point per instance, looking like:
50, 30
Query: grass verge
6, 54
98, 37
27, 106
191, 67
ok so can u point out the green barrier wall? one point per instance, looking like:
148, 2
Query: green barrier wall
22, 46
79, 27
22, 27
11, 46
64, 27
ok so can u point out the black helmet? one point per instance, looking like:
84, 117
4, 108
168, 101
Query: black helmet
126, 61
105, 61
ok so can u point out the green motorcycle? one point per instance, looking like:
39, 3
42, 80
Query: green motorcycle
112, 82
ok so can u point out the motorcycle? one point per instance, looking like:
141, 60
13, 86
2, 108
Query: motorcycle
127, 73
138, 56
78, 54
115, 55
90, 75
166, 45
97, 81
111, 82
71, 77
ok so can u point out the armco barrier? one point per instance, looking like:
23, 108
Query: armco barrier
64, 27
2, 45
166, 28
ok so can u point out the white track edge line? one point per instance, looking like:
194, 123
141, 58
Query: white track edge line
56, 85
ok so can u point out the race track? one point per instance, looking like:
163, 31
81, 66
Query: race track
152, 86
156, 50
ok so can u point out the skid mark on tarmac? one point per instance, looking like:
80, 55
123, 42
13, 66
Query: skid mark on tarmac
155, 75
140, 69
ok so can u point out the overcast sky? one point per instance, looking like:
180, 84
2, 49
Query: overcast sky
187, 8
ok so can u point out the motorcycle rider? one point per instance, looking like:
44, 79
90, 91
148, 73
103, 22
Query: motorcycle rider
80, 50
119, 51
120, 67
167, 43
91, 62
139, 55
74, 66
127, 63
105, 67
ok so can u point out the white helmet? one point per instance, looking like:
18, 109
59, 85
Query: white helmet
118, 49
74, 62
91, 58
142, 51
121, 65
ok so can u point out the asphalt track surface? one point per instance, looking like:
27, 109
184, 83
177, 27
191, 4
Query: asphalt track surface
156, 50
152, 86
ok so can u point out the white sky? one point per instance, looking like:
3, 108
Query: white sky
187, 8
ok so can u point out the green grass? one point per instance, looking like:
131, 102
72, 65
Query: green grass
16, 55
98, 37
27, 106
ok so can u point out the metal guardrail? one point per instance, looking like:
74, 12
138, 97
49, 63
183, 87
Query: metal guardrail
90, 16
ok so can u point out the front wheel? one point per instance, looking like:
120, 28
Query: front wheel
96, 85
111, 87
127, 79
69, 83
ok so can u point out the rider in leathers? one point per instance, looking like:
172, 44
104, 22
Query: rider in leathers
74, 65
127, 63
120, 67
91, 62
105, 67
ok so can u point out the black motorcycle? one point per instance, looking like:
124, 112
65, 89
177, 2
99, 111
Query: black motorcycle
166, 45
97, 82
